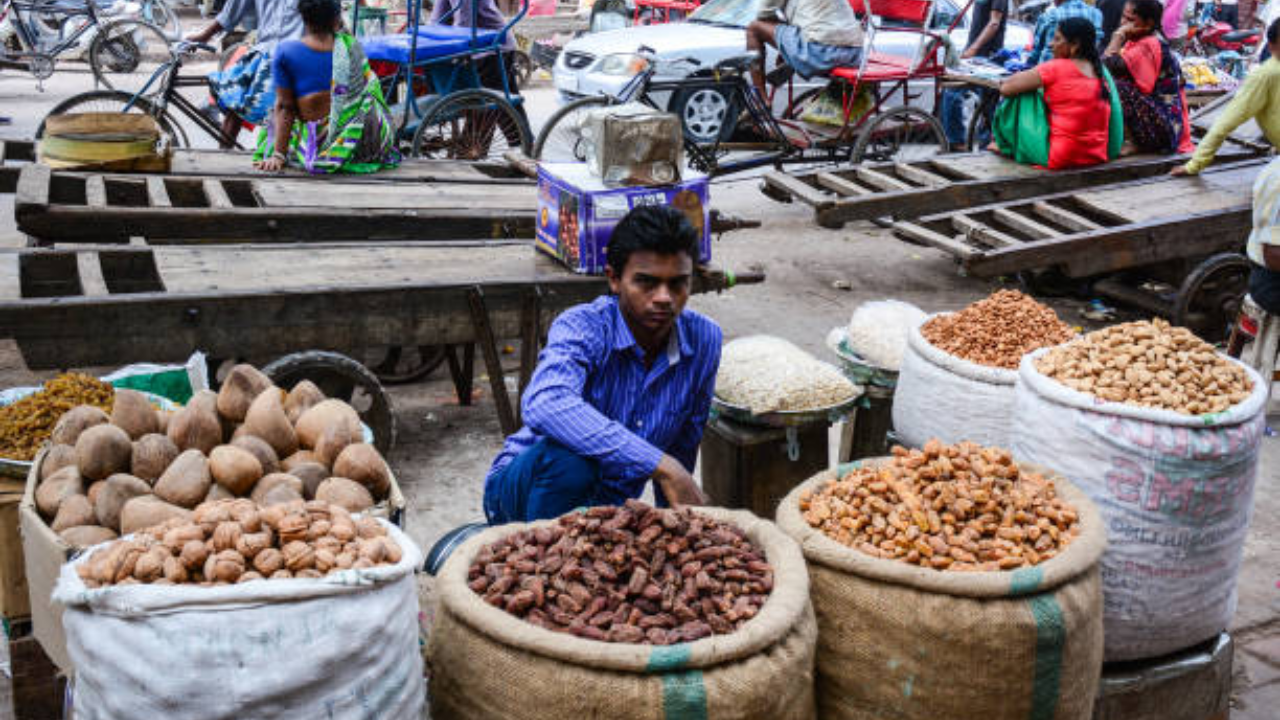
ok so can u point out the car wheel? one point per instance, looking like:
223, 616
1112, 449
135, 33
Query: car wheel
707, 114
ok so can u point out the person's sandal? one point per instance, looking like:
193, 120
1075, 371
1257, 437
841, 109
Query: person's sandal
779, 75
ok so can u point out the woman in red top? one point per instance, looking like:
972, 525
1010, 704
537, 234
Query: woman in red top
1149, 81
1075, 94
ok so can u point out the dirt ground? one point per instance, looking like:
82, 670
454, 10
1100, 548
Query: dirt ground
816, 278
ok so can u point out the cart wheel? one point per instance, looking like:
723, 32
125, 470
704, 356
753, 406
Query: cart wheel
338, 376
471, 125
1210, 297
902, 134
399, 364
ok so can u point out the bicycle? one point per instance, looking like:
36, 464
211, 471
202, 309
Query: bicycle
561, 138
40, 29
158, 104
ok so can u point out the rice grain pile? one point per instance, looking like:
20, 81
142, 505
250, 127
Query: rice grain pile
878, 331
769, 374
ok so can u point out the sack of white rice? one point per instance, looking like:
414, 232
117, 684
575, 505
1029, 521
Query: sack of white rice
879, 329
768, 374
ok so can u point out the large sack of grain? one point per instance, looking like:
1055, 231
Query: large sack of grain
915, 643
485, 663
341, 646
1175, 490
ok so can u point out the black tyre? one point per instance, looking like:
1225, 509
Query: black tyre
400, 364
471, 125
707, 115
901, 134
129, 55
115, 101
1209, 300
338, 376
160, 14
560, 139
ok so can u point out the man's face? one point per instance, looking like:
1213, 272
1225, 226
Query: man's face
653, 289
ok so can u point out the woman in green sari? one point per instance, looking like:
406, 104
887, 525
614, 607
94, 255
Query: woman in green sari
329, 114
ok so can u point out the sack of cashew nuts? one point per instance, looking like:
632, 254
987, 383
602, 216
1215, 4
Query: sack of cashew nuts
628, 613
917, 636
1170, 456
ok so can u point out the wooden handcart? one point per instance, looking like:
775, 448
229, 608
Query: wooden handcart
1168, 245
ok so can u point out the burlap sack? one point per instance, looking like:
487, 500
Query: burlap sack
906, 642
485, 663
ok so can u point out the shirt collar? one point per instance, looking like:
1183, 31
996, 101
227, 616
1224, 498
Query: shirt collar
678, 343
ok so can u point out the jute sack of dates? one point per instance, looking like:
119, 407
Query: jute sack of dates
901, 641
1176, 491
485, 663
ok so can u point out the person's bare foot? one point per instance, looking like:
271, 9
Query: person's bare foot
1128, 149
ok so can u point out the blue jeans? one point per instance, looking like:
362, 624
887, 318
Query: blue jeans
953, 101
545, 481
1264, 288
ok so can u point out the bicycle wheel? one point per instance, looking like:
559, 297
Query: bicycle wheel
901, 134
114, 101
471, 125
160, 14
130, 55
560, 139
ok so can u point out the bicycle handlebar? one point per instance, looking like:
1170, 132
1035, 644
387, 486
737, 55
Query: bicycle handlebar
186, 46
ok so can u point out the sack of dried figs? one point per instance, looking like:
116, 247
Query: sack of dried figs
917, 616
342, 645
627, 613
1163, 433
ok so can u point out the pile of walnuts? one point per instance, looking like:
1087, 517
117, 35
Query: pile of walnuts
1150, 364
997, 331
235, 541
631, 574
948, 507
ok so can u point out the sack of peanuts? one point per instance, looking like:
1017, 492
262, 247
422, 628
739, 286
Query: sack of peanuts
624, 612
951, 583
342, 645
1163, 433
958, 374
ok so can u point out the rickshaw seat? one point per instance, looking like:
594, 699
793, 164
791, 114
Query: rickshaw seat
434, 41
880, 68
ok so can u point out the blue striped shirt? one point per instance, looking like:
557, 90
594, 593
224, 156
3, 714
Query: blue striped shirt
592, 394
1047, 25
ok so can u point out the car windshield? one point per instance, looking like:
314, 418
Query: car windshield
734, 13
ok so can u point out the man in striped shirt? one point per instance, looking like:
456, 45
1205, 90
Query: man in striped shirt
622, 389
1264, 241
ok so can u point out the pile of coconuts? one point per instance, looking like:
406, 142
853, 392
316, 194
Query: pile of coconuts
109, 475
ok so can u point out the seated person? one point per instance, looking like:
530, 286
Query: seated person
1078, 100
1264, 241
329, 114
1149, 81
992, 17
457, 13
244, 91
813, 36
622, 390
1258, 99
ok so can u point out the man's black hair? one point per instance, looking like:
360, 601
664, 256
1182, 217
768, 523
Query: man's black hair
659, 228
319, 15
1273, 32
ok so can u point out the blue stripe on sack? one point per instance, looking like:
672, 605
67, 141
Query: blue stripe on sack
1050, 636
1025, 580
684, 696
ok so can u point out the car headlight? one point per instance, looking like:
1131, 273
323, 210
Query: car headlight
621, 65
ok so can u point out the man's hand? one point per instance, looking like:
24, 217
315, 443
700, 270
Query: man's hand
1179, 171
677, 484
204, 34
968, 54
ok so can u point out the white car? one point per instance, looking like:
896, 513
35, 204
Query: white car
602, 63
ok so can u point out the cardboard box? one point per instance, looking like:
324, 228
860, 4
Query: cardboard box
45, 554
14, 599
577, 213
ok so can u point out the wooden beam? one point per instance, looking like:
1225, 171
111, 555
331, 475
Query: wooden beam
941, 164
33, 189
798, 189
920, 175
157, 195
95, 191
91, 280
922, 234
879, 179
1024, 224
1064, 217
985, 233
216, 194
842, 186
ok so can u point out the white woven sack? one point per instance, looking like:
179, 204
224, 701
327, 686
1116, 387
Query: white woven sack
1176, 493
942, 396
342, 646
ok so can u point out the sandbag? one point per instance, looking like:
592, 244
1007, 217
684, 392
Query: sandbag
942, 396
485, 663
341, 646
902, 641
1175, 491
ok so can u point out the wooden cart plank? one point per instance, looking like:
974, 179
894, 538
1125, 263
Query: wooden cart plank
841, 186
950, 165
921, 234
983, 233
215, 194
300, 193
917, 174
91, 280
1024, 224
798, 189
880, 180
95, 191
157, 194
1064, 217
